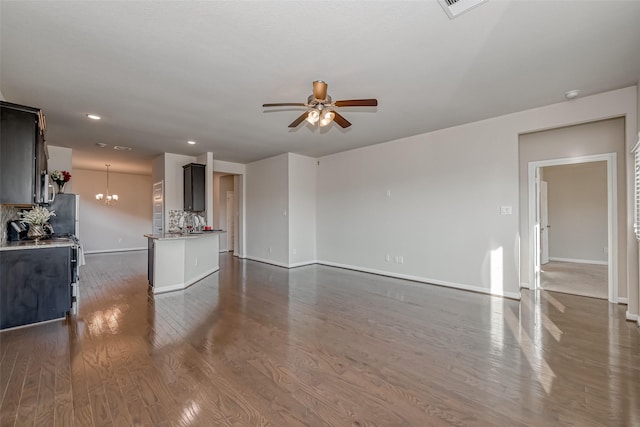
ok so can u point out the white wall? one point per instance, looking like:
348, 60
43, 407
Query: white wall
442, 214
577, 200
267, 199
117, 227
302, 209
598, 137
60, 158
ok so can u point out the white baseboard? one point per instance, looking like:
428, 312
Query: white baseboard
524, 285
185, 285
579, 261
623, 301
105, 251
632, 317
472, 288
268, 261
282, 264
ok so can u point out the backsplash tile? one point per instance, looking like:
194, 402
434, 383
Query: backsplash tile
196, 219
7, 213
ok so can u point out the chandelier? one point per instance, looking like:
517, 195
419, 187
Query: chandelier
109, 199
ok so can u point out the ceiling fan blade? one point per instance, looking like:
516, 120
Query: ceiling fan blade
299, 120
357, 103
320, 90
344, 123
285, 104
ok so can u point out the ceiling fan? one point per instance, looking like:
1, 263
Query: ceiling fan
320, 107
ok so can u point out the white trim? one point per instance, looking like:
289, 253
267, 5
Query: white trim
524, 285
268, 261
302, 264
185, 285
104, 251
632, 317
612, 215
472, 288
282, 264
579, 261
624, 301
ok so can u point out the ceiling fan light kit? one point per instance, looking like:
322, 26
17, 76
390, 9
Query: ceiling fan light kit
320, 107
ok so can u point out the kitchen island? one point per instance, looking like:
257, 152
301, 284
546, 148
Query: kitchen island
177, 261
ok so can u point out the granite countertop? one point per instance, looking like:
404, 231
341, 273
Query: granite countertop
56, 242
178, 236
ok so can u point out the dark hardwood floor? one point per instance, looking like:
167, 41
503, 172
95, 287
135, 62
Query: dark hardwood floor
258, 345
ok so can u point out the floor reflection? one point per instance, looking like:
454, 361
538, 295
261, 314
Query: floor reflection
256, 344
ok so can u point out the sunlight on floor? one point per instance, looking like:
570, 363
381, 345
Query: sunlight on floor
547, 323
532, 351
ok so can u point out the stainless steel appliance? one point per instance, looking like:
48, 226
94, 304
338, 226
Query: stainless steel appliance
65, 222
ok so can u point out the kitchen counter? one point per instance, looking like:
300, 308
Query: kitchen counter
174, 236
177, 261
56, 242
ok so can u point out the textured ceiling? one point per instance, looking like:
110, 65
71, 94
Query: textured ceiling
161, 73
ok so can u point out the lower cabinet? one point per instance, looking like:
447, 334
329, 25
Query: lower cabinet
35, 285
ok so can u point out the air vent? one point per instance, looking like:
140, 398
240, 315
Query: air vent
122, 148
454, 8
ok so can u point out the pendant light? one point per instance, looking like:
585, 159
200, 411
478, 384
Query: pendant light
109, 199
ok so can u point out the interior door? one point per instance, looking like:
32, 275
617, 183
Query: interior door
544, 223
230, 221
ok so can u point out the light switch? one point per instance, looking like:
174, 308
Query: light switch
505, 210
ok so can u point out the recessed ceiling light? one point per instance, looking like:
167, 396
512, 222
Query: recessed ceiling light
94, 116
191, 142
572, 94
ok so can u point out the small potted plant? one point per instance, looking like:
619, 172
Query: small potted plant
60, 178
38, 221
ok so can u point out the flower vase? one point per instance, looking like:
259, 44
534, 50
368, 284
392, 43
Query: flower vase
36, 232
61, 187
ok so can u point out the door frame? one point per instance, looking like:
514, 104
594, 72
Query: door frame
612, 216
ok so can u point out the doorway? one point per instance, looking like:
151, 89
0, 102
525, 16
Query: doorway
539, 226
227, 189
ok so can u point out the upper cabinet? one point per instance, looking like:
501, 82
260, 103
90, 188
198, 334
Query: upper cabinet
194, 187
23, 159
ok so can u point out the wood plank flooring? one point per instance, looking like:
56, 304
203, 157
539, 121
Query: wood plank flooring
589, 280
258, 345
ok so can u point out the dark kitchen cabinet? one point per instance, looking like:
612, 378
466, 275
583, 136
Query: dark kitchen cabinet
194, 187
35, 285
22, 155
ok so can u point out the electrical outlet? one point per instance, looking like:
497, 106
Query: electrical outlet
605, 250
387, 258
506, 210
295, 251
196, 262
400, 259
270, 250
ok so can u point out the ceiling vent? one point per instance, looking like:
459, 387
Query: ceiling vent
454, 8
122, 148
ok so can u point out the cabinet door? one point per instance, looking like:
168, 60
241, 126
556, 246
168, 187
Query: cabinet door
194, 187
17, 156
34, 285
